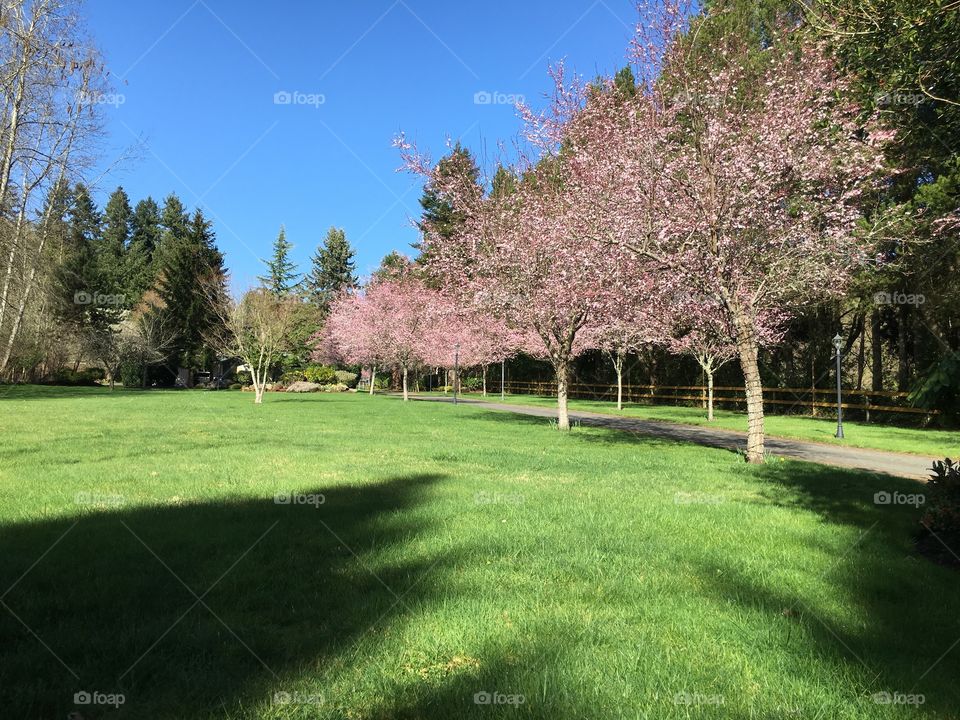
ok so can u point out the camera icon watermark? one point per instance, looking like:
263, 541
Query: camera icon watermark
295, 97
689, 698
99, 499
898, 298
485, 97
95, 697
900, 98
898, 698
697, 498
292, 498
98, 299
898, 498
282, 697
498, 698
498, 498
85, 97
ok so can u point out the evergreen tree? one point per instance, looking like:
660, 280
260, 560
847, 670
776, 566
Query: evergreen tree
191, 267
144, 240
112, 248
77, 278
281, 270
173, 221
438, 212
332, 269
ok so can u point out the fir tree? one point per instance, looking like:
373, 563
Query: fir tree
144, 240
281, 270
112, 247
332, 269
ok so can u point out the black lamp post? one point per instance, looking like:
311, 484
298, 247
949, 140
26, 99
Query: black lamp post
503, 375
456, 371
838, 344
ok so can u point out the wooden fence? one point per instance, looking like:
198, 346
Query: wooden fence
783, 399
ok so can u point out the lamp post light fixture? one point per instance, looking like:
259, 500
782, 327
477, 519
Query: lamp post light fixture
456, 371
838, 344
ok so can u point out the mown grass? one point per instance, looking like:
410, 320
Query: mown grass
456, 551
879, 436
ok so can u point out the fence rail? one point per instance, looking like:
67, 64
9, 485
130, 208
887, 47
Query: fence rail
801, 398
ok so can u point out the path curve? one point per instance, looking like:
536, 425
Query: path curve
915, 467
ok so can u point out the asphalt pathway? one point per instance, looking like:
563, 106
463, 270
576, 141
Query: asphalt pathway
915, 467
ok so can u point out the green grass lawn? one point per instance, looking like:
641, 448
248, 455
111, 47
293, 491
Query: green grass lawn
456, 551
930, 443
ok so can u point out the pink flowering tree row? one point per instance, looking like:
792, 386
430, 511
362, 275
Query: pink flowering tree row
404, 324
736, 176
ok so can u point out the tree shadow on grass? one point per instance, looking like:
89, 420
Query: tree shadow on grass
193, 610
896, 622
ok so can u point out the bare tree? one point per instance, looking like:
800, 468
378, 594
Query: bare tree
256, 329
53, 83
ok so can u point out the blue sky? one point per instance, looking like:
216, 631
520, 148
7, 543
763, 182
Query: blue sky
198, 81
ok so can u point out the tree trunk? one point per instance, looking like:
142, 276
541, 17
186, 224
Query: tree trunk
484, 380
709, 395
563, 375
406, 395
747, 350
373, 377
618, 368
876, 353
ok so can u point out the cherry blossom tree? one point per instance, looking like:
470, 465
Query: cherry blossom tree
353, 334
739, 176
522, 256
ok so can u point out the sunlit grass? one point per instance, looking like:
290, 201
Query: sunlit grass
455, 551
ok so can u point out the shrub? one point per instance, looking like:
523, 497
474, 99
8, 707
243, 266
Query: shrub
292, 376
236, 386
445, 388
90, 376
320, 374
942, 517
244, 378
131, 374
347, 378
472, 383
334, 387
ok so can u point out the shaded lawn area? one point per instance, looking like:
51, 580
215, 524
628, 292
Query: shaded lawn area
456, 551
930, 443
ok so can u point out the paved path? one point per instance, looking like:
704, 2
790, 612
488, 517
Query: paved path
915, 467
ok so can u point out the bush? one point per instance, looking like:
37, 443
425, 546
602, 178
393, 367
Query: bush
471, 383
236, 386
131, 374
320, 374
445, 388
334, 387
942, 518
347, 378
90, 376
244, 378
292, 376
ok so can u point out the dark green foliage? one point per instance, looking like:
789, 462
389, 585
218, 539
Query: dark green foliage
320, 374
281, 270
333, 269
145, 234
112, 262
439, 215
191, 272
89, 376
345, 377
940, 388
942, 516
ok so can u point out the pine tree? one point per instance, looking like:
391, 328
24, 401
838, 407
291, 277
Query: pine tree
332, 269
77, 279
173, 221
190, 267
281, 270
144, 240
439, 214
112, 248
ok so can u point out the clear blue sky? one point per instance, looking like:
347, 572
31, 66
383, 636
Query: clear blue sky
198, 80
